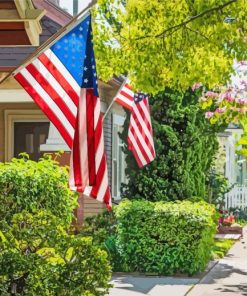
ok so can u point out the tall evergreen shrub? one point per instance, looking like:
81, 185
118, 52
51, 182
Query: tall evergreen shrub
185, 145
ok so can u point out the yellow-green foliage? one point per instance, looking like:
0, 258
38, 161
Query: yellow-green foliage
221, 247
170, 43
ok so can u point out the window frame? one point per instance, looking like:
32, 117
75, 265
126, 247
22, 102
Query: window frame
12, 116
117, 120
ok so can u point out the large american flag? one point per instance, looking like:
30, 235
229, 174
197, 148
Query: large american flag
140, 133
63, 82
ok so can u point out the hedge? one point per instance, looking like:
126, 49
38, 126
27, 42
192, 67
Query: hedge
165, 238
39, 254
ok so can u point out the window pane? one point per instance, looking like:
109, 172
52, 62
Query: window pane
28, 136
115, 182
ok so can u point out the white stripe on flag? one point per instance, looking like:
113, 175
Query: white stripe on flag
143, 124
142, 140
125, 99
57, 63
128, 91
136, 147
54, 84
103, 187
82, 132
48, 100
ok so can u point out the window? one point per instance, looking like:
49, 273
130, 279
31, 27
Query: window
118, 157
28, 136
25, 131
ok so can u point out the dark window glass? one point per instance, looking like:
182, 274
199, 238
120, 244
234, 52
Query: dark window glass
28, 136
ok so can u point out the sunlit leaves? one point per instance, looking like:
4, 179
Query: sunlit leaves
156, 51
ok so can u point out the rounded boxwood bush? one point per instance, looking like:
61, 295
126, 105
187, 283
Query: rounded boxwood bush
39, 254
32, 186
165, 237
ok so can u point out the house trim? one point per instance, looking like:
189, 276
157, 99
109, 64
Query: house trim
14, 96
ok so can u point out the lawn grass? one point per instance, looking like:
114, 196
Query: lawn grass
221, 247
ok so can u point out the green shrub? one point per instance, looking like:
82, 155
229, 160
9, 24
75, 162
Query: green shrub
32, 186
102, 228
185, 144
221, 247
38, 253
165, 238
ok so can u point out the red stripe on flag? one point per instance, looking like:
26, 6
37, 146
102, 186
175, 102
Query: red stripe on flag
107, 198
59, 77
131, 148
144, 154
141, 130
52, 93
100, 175
126, 95
148, 123
76, 158
44, 107
121, 102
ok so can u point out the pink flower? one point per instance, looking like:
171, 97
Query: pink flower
196, 85
242, 101
228, 97
244, 83
220, 110
211, 94
209, 114
243, 63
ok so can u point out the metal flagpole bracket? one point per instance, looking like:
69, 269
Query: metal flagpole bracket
113, 100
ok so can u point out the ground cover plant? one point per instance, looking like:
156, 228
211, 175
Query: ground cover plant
157, 237
221, 247
39, 255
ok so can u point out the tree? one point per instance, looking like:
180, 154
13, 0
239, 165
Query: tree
170, 43
185, 145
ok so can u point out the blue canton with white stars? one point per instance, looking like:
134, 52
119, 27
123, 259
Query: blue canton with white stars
138, 97
75, 51
89, 70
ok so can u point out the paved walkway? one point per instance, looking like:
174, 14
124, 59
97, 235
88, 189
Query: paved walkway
128, 285
229, 276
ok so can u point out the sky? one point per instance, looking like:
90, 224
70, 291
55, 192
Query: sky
69, 4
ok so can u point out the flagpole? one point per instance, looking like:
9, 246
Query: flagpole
51, 40
108, 109
113, 101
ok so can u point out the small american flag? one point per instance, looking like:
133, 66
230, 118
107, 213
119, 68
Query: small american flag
63, 82
140, 134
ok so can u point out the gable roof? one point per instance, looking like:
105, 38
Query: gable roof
53, 12
55, 18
